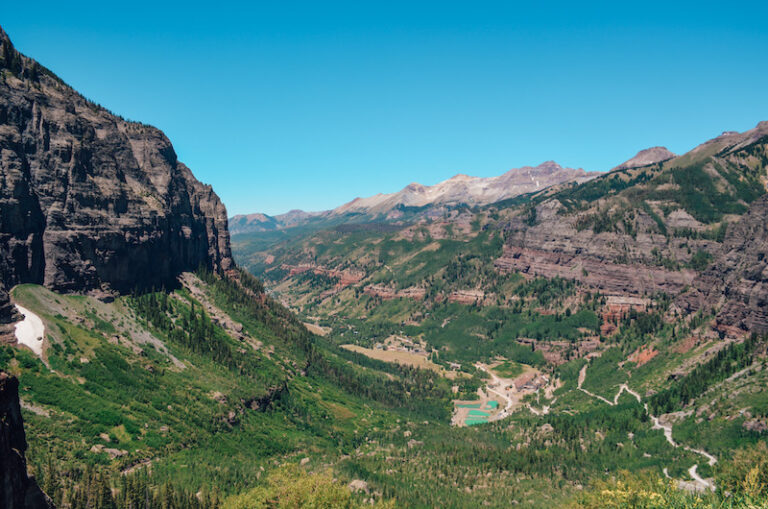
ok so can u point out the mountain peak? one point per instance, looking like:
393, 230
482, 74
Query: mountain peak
549, 165
9, 57
415, 187
647, 156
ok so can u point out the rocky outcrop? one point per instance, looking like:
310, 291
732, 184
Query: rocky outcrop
609, 261
17, 489
90, 201
598, 272
736, 283
388, 293
8, 315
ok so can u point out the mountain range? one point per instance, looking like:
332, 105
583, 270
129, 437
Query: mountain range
458, 190
546, 338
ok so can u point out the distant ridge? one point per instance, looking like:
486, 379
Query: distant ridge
645, 157
463, 189
457, 190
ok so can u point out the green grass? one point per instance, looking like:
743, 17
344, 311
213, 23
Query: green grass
509, 369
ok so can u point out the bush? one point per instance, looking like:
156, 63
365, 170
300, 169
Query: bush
291, 487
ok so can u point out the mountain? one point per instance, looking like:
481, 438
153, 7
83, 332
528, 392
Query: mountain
456, 191
735, 286
261, 222
642, 230
645, 157
472, 191
640, 293
526, 352
90, 201
17, 489
636, 230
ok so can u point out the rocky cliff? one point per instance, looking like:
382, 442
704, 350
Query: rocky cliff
17, 489
735, 286
646, 229
613, 262
90, 201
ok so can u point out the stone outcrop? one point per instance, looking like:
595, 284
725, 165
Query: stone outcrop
17, 489
555, 247
90, 201
389, 293
8, 315
736, 284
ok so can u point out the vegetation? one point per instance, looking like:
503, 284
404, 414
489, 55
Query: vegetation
291, 487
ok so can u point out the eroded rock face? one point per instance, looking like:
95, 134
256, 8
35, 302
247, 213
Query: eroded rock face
8, 315
737, 282
89, 201
17, 489
554, 247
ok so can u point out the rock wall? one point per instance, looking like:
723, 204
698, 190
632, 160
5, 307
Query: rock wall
17, 489
610, 262
90, 201
736, 284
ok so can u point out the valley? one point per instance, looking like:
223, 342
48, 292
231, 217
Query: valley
598, 315
549, 337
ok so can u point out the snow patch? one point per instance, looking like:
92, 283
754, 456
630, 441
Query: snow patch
30, 331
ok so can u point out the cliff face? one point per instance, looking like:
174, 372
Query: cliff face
736, 284
17, 489
636, 230
555, 247
89, 201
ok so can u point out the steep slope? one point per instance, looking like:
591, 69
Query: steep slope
735, 286
89, 201
642, 230
17, 489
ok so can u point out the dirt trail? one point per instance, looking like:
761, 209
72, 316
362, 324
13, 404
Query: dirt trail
699, 483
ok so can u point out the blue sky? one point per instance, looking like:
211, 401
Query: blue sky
284, 105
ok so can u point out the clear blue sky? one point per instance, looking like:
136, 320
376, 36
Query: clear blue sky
285, 105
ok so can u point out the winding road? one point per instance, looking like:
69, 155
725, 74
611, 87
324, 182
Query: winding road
699, 483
